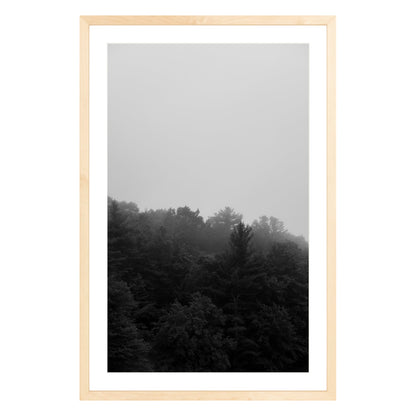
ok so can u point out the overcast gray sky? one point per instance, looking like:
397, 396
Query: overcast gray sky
210, 126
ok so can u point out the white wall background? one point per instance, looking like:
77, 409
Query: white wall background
39, 206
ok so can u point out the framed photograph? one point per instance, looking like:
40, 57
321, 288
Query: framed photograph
207, 235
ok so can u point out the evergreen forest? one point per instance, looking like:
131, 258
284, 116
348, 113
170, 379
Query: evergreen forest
217, 295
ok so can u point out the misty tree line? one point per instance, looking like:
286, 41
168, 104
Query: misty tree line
186, 294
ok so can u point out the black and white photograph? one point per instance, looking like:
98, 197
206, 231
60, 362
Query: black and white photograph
208, 207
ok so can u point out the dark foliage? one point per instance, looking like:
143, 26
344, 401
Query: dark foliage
186, 294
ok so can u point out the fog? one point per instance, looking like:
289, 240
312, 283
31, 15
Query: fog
210, 126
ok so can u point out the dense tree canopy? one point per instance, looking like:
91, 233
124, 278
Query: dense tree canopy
186, 294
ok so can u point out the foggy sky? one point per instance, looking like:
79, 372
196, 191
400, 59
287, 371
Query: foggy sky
210, 126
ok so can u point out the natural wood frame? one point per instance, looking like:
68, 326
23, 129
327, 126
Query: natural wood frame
85, 392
